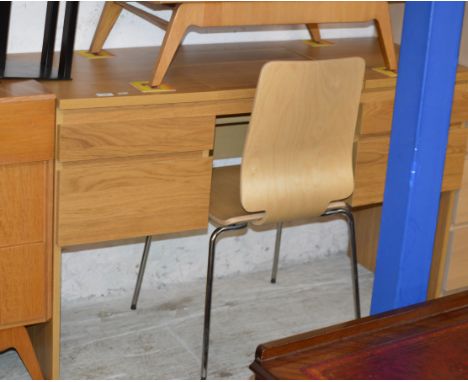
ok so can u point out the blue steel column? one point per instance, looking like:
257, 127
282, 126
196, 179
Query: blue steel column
421, 118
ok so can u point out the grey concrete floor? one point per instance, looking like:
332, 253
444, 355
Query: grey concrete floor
104, 339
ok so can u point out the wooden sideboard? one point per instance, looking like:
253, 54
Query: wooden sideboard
27, 124
131, 164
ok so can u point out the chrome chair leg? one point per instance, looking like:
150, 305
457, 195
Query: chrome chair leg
209, 292
141, 272
274, 271
354, 268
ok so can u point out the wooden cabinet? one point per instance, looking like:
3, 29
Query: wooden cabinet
27, 119
131, 172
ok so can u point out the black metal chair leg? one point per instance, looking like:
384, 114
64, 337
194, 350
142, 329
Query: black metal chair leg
354, 268
274, 270
68, 40
141, 272
50, 29
5, 11
209, 292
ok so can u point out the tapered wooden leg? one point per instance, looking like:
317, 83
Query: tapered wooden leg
109, 16
384, 31
175, 33
18, 339
314, 32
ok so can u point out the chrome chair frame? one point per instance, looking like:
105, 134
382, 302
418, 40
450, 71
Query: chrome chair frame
346, 212
141, 272
145, 255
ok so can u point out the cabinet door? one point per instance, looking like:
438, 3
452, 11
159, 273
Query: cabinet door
23, 190
24, 284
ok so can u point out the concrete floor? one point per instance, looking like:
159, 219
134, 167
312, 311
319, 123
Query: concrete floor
104, 339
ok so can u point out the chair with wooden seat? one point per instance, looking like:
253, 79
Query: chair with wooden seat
298, 157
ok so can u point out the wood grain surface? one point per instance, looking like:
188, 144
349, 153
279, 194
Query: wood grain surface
131, 197
133, 135
23, 192
25, 131
27, 121
24, 286
457, 275
298, 154
247, 13
423, 341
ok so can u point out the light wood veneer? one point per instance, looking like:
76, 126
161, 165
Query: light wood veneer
27, 121
114, 183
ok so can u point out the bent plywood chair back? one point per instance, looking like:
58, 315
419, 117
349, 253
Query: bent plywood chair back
299, 146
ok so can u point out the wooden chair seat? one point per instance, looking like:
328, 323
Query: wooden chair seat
225, 204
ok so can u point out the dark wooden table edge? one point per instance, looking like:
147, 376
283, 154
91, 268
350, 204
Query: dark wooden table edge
305, 341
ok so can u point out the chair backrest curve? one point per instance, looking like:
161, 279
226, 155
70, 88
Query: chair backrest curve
299, 146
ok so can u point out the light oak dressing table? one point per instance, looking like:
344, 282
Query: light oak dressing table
130, 164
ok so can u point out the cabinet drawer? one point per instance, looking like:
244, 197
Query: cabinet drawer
376, 116
457, 275
24, 285
371, 166
132, 197
23, 201
26, 131
136, 136
461, 215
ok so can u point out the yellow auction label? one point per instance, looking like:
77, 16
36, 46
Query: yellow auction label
383, 70
144, 87
95, 56
320, 44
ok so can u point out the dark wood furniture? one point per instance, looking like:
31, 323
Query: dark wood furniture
424, 341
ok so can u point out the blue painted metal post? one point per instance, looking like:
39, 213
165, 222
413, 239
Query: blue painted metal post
421, 118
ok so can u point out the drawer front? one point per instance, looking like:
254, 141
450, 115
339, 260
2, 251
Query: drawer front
457, 275
24, 285
23, 203
26, 131
461, 215
139, 136
132, 197
371, 166
376, 116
